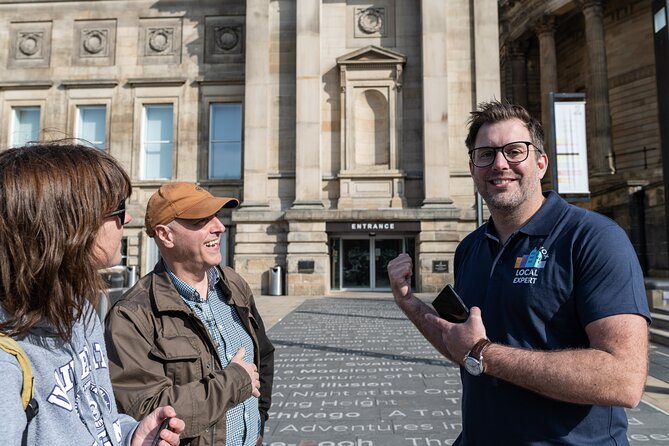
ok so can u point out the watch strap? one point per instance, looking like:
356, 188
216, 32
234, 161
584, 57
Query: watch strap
476, 355
478, 348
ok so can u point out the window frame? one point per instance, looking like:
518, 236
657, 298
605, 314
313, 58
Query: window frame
148, 102
77, 122
216, 92
13, 120
210, 113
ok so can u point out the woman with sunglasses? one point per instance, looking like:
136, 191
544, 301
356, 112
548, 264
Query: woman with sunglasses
60, 222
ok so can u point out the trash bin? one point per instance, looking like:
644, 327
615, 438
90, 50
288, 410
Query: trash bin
132, 275
116, 281
276, 281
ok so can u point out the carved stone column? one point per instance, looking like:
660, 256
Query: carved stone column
600, 150
435, 104
256, 104
517, 58
545, 30
308, 105
307, 239
486, 50
260, 237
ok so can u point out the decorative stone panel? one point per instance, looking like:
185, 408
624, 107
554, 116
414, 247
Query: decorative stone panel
371, 23
160, 41
224, 39
95, 42
30, 45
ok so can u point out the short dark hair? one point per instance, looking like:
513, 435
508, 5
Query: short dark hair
495, 111
54, 198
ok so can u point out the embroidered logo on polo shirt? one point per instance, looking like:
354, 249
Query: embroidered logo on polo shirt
528, 266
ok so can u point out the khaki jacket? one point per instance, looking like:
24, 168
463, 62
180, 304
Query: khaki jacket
160, 353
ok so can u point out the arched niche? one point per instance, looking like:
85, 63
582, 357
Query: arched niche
372, 149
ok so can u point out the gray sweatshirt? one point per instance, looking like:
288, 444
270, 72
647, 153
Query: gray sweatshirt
72, 388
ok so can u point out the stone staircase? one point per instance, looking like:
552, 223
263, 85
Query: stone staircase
657, 291
659, 329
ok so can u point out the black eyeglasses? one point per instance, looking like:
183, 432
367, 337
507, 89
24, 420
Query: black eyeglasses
119, 212
514, 152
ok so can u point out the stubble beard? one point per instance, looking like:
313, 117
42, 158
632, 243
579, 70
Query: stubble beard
507, 203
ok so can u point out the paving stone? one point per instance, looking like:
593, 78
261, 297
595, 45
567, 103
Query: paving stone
355, 372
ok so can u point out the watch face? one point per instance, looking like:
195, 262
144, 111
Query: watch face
473, 366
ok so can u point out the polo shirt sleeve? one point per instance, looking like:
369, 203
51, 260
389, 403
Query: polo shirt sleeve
607, 276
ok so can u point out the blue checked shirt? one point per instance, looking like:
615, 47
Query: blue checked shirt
226, 329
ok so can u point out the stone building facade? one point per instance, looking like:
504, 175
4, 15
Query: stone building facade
339, 124
604, 50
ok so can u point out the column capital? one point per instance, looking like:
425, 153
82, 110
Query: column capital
545, 24
591, 4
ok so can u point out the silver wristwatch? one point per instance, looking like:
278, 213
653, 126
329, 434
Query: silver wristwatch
473, 361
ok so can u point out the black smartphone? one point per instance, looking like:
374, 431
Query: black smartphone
449, 305
164, 425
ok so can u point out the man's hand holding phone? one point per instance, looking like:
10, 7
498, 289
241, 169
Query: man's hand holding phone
449, 306
460, 326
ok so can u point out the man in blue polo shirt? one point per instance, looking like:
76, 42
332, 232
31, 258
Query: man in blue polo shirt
557, 339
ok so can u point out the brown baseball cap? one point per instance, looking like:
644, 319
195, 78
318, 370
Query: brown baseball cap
182, 200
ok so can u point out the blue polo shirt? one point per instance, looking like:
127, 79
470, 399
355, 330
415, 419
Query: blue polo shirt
565, 268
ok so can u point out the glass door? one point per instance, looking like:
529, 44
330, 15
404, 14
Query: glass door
362, 263
355, 263
384, 251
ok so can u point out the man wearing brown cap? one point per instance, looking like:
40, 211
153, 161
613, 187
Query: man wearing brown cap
188, 334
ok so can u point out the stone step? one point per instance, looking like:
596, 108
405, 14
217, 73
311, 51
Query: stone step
660, 319
659, 336
661, 310
659, 329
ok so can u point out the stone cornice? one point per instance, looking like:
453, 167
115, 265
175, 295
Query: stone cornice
522, 17
241, 215
26, 85
101, 83
156, 82
409, 214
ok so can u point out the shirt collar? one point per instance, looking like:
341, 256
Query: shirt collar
543, 221
185, 290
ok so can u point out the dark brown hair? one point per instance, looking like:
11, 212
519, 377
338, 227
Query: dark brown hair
54, 197
495, 111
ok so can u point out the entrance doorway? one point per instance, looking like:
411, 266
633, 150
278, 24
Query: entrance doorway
360, 263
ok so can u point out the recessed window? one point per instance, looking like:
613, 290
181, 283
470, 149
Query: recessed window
225, 141
157, 141
91, 125
25, 125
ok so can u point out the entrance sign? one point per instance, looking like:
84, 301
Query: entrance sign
569, 144
373, 226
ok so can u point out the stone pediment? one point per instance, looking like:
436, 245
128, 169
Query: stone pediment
372, 55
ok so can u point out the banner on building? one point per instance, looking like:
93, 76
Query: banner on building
570, 147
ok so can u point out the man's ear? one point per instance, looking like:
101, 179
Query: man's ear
542, 163
164, 234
